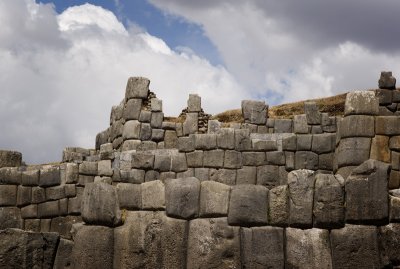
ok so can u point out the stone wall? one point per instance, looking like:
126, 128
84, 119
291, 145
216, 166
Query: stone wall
310, 192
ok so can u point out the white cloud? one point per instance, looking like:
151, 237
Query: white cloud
60, 75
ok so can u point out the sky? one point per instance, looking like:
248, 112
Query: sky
64, 64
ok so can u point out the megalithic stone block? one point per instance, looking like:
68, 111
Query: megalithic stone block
182, 197
254, 112
214, 199
387, 81
137, 87
194, 103
361, 103
312, 113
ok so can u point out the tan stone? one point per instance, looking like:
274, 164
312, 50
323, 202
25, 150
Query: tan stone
380, 148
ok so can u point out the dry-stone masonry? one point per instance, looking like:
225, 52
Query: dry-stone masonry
314, 191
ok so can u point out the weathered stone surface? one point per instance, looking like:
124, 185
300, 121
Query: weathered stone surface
195, 158
312, 113
10, 158
289, 143
278, 204
308, 249
191, 123
132, 109
131, 130
156, 105
104, 168
153, 195
301, 193
384, 96
275, 157
221, 249
202, 173
394, 143
93, 247
170, 139
387, 81
167, 175
253, 158
225, 176
246, 175
186, 144
355, 246
71, 173
63, 257
242, 139
38, 195
248, 205
394, 209
214, 126
357, 126
55, 193
254, 111
306, 160
30, 178
387, 125
389, 237
289, 161
304, 142
213, 158
226, 138
353, 151
63, 225
145, 131
214, 199
380, 148
264, 145
328, 202
49, 176
129, 196
300, 124
157, 135
361, 103
162, 162
205, 141
367, 193
8, 195
48, 209
178, 162
160, 242
268, 176
182, 197
394, 179
283, 126
262, 247
137, 87
29, 211
135, 176
233, 159
325, 161
323, 143
194, 103
143, 160
21, 249
10, 217
100, 205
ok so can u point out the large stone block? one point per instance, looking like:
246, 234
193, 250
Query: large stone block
312, 113
30, 178
242, 139
355, 246
353, 151
129, 196
10, 158
389, 237
153, 195
132, 109
262, 247
304, 142
283, 126
356, 126
275, 157
278, 204
387, 81
10, 217
131, 130
162, 162
367, 193
143, 160
233, 159
156, 119
214, 199
361, 103
49, 209
254, 112
300, 124
29, 211
221, 249
323, 143
301, 195
213, 158
170, 139
194, 103
191, 123
205, 141
134, 176
8, 195
93, 247
88, 168
225, 176
306, 160
160, 242
387, 125
38, 195
156, 105
21, 249
226, 138
307, 249
178, 162
195, 158
328, 202
71, 173
55, 193
246, 175
63, 257
182, 197
248, 205
268, 176
145, 132
380, 148
137, 87
49, 176
100, 205
253, 158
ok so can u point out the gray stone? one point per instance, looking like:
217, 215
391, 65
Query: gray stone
328, 202
182, 197
131, 130
100, 205
380, 149
323, 143
304, 142
83, 180
384, 96
29, 211
357, 125
220, 250
156, 119
88, 168
306, 160
394, 209
74, 205
308, 249
262, 247
137, 87
55, 193
72, 173
63, 257
186, 144
132, 109
170, 139
63, 225
153, 195
134, 176
178, 162
106, 152
395, 160
93, 251
151, 175
129, 196
316, 129
116, 130
30, 178
268, 176
214, 126
214, 199
275, 157
242, 139
248, 205
254, 111
283, 126
312, 113
205, 141
145, 132
116, 112
10, 158
190, 125
389, 237
361, 103
145, 116
213, 158
157, 135
10, 217
289, 161
325, 161
147, 146
394, 179
301, 194
353, 151
264, 145
167, 125
253, 158
226, 138
48, 209
226, 176
202, 173
289, 143
355, 246
156, 105
143, 160
300, 124
233, 159
367, 193
187, 173
195, 158
167, 175
246, 175
104, 168
8, 195
394, 143
162, 162
194, 103
32, 225
278, 205
49, 176
38, 195
387, 81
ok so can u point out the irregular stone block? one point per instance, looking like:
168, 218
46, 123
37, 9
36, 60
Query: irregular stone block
8, 195
242, 139
48, 209
167, 175
131, 130
312, 113
30, 178
301, 194
100, 205
248, 205
300, 124
213, 126
74, 205
387, 81
202, 173
253, 158
145, 116
129, 196
263, 145
157, 135
145, 132
93, 251
195, 158
32, 225
153, 195
367, 193
306, 160
323, 143
10, 217
225, 176
262, 247
116, 130
308, 249
275, 157
72, 173
246, 175
394, 179
214, 199
278, 205
29, 211
63, 225
205, 141
233, 159
182, 197
389, 237
384, 96
387, 125
38, 195
156, 105
289, 160
194, 103
395, 160
137, 87
304, 142
289, 143
213, 158
283, 126
355, 246
10, 158
325, 161
394, 209
254, 111
49, 176
132, 109
186, 144
162, 162
142, 160
170, 139
178, 162
55, 193
213, 253
361, 103
226, 138
394, 143
268, 176
63, 257
380, 148
353, 151
191, 123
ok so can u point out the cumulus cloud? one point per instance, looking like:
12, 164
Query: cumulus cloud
61, 73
